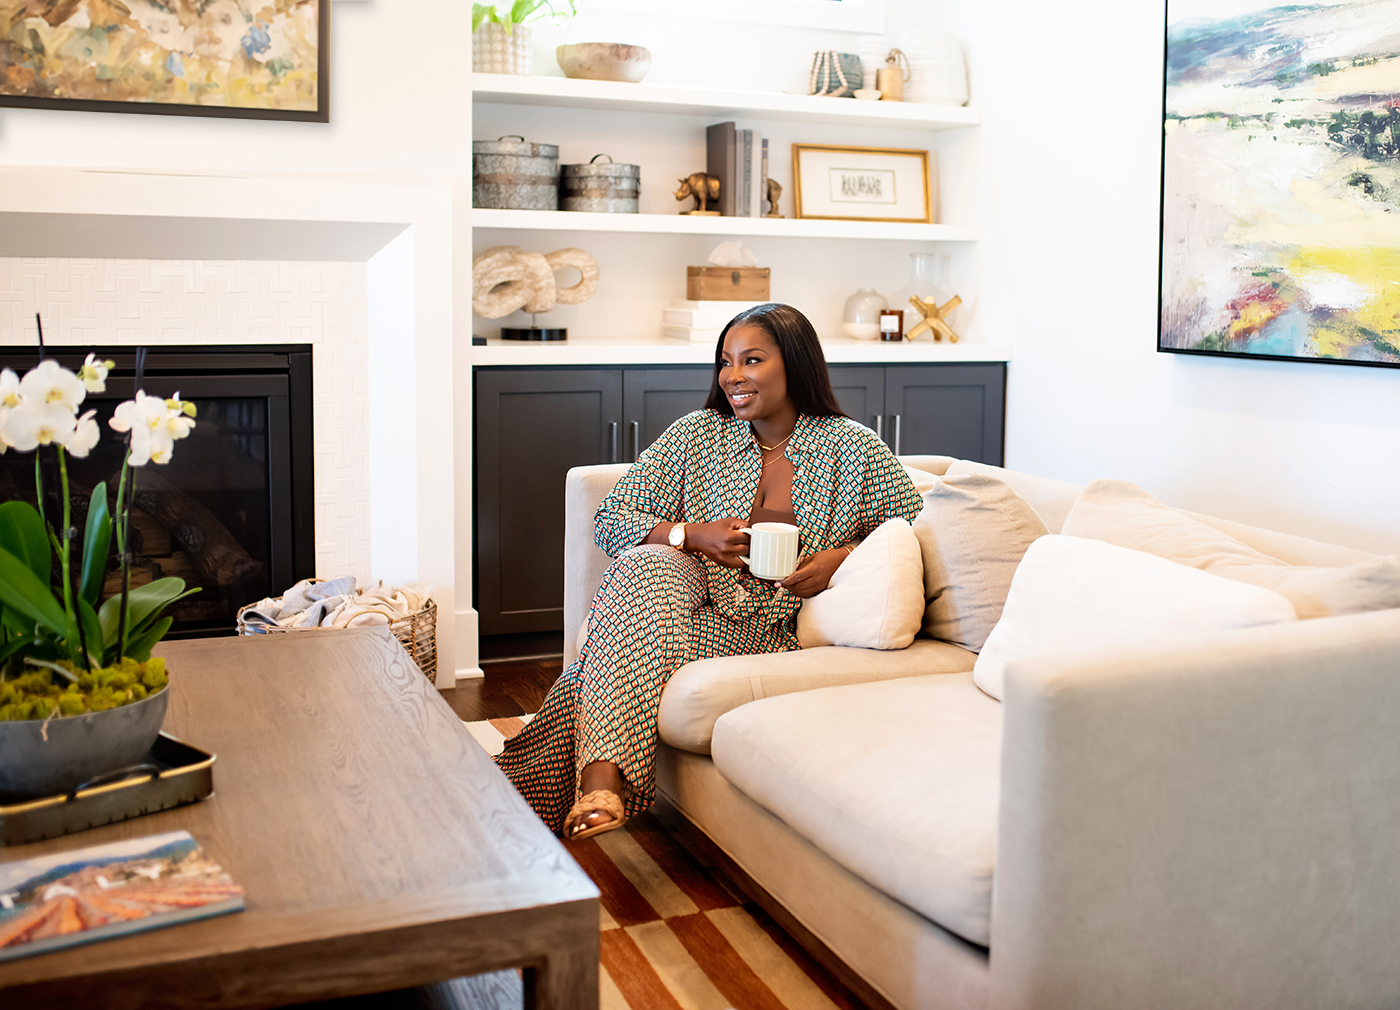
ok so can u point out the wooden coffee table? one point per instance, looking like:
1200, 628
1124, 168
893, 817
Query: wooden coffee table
380, 848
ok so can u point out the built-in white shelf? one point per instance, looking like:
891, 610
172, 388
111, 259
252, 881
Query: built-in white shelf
660, 351
563, 92
683, 224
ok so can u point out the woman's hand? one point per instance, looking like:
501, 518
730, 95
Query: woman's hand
720, 541
814, 573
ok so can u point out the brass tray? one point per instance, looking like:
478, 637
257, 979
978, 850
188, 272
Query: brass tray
172, 774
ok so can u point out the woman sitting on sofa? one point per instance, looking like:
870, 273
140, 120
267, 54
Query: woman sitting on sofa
771, 445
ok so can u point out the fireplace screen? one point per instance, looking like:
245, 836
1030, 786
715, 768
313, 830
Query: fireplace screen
232, 511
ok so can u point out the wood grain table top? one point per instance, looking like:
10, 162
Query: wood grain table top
378, 845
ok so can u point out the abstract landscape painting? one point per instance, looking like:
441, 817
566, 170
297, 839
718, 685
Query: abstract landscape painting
1281, 180
262, 59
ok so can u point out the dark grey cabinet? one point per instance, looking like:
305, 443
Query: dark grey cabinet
533, 424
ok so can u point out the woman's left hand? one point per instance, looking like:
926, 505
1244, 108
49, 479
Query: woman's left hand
814, 573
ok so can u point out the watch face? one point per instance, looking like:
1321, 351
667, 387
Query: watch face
677, 536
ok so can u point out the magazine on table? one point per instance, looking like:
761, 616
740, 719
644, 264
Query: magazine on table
104, 891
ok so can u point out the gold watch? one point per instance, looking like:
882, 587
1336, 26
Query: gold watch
676, 538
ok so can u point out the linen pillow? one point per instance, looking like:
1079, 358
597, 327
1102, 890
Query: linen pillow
1073, 594
973, 530
1121, 513
923, 479
875, 599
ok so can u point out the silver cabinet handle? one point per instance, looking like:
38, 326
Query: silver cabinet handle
880, 426
612, 438
896, 434
636, 440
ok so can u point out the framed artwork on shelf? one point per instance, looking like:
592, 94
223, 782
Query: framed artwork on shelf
861, 184
239, 59
1280, 211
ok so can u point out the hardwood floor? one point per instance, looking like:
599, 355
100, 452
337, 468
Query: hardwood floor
520, 669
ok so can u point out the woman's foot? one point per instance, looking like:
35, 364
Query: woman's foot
594, 814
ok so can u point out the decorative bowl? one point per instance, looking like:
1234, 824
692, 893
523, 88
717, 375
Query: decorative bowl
604, 61
868, 94
41, 757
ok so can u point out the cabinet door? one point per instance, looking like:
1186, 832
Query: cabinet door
532, 425
652, 398
860, 389
946, 409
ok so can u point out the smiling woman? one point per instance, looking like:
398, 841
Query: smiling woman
770, 445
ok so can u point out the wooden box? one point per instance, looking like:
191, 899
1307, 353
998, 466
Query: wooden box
726, 284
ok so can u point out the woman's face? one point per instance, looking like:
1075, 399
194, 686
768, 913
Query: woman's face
752, 376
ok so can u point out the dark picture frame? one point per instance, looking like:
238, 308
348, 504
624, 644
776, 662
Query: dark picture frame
172, 44
1275, 217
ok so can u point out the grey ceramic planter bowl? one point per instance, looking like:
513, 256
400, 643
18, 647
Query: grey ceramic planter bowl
79, 747
604, 61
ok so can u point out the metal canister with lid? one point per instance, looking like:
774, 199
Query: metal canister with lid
606, 188
514, 174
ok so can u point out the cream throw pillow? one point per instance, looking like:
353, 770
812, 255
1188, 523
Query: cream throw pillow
972, 530
875, 599
1124, 514
1074, 595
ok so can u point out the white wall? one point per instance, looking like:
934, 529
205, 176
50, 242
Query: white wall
1070, 190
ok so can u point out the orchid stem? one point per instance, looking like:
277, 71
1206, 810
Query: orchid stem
68, 599
126, 493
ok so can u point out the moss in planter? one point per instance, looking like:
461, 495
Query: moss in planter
36, 695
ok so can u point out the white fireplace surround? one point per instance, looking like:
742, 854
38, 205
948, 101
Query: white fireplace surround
403, 235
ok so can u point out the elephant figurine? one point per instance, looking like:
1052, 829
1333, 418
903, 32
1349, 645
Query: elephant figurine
704, 188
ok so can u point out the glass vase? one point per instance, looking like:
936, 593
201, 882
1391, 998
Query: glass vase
929, 280
496, 52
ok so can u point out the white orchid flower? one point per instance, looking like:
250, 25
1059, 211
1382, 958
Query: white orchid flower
142, 412
94, 374
85, 435
9, 389
180, 420
49, 382
150, 445
34, 424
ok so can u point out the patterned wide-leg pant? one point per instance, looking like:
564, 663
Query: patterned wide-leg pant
652, 615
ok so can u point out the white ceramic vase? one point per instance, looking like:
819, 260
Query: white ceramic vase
861, 318
495, 52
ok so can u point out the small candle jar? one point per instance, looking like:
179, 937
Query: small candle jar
892, 324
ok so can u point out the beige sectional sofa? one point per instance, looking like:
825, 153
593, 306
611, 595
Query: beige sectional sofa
1213, 823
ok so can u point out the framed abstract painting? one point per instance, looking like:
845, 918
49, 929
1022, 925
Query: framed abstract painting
1281, 181
243, 59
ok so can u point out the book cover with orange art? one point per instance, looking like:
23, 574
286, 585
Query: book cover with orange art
103, 891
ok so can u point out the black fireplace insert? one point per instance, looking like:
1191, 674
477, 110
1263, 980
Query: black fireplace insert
233, 510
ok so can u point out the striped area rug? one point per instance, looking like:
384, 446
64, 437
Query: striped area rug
673, 937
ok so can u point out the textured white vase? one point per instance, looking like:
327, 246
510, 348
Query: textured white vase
495, 52
937, 72
861, 318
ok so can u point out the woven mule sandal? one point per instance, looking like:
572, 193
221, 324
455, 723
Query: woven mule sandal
599, 801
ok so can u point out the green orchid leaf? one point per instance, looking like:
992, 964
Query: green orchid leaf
139, 648
146, 621
21, 589
11, 647
92, 629
22, 533
142, 602
97, 538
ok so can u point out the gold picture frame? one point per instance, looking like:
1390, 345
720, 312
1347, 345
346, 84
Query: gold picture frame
834, 183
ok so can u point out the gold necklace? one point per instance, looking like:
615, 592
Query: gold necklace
770, 448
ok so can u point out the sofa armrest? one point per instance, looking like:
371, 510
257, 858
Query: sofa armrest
584, 564
700, 692
1207, 824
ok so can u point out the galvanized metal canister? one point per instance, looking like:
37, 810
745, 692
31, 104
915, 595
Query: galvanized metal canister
514, 174
605, 188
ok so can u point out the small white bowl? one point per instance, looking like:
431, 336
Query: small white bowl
868, 94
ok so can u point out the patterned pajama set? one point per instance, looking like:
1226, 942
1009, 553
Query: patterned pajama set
659, 608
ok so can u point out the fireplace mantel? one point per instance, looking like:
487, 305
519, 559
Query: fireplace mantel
404, 236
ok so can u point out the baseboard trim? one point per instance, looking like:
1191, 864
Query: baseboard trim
704, 849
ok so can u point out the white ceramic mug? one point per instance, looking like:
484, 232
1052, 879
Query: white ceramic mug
772, 550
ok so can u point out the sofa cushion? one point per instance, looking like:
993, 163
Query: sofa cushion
875, 599
1122, 513
1076, 595
700, 692
1051, 499
897, 782
972, 530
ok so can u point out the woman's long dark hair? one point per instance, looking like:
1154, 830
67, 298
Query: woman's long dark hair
808, 384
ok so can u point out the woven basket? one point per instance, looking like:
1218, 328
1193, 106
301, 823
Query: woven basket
417, 633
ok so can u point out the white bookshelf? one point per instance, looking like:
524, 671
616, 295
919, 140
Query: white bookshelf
682, 224
562, 92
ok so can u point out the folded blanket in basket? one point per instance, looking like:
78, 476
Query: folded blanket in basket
337, 603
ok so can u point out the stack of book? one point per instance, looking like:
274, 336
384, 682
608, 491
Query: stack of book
739, 159
699, 322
